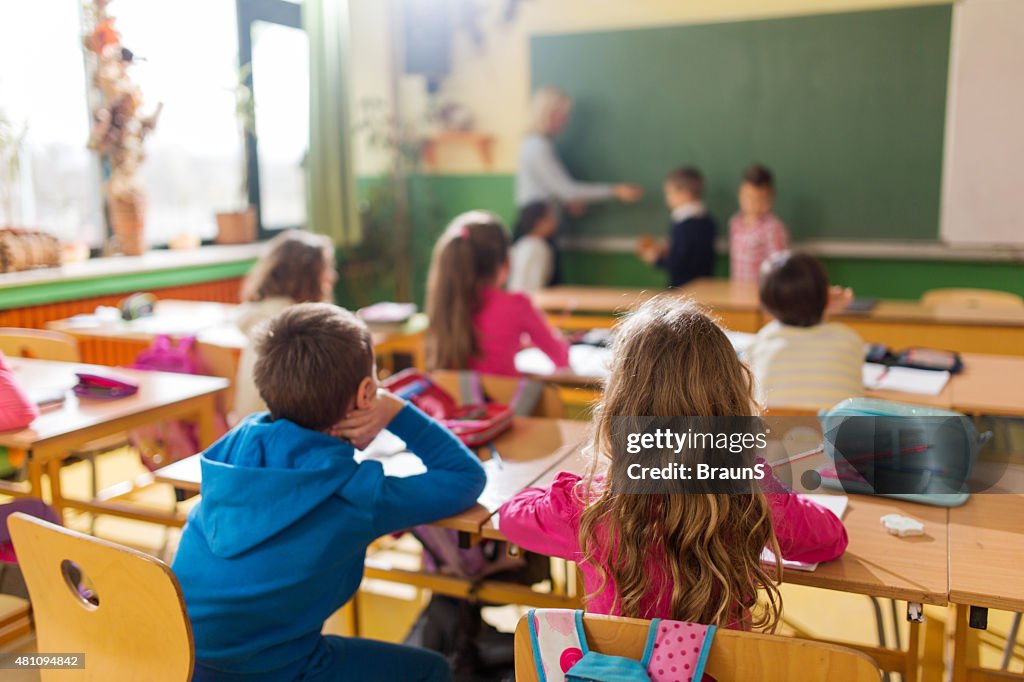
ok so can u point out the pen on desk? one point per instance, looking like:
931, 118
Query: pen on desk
495, 456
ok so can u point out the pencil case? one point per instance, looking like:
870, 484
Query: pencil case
474, 424
911, 452
103, 387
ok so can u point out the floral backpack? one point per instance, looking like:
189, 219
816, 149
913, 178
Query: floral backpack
675, 651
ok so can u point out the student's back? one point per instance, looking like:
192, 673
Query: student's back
671, 360
806, 367
278, 541
798, 360
474, 323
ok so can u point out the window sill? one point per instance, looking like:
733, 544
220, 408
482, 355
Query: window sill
155, 269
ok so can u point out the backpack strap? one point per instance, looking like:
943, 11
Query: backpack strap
527, 396
557, 640
677, 650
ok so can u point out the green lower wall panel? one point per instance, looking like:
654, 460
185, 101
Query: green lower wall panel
436, 199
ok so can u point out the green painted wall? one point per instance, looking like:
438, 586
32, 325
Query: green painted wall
437, 199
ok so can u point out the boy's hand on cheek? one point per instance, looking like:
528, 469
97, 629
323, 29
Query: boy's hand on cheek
361, 426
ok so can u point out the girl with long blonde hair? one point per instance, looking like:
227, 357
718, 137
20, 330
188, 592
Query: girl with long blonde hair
692, 557
474, 323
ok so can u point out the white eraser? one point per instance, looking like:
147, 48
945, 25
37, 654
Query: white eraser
902, 526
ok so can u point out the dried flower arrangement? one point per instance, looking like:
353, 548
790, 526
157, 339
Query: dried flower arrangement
119, 128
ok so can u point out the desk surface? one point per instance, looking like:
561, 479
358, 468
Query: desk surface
986, 543
211, 323
532, 448
156, 390
723, 294
989, 384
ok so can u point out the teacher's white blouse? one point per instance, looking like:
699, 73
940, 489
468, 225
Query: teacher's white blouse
541, 176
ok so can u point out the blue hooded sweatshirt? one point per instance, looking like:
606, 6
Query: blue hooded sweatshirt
278, 541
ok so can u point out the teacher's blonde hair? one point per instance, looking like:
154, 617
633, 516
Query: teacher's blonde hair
545, 103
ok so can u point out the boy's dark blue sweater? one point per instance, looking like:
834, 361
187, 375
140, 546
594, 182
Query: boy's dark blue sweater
691, 250
278, 541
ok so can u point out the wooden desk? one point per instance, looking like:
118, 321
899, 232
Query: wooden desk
986, 555
116, 342
990, 385
54, 434
896, 323
582, 307
530, 449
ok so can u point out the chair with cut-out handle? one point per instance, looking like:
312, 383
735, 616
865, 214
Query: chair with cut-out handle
123, 609
734, 655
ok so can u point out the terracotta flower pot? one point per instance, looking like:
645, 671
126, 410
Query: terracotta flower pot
128, 222
237, 227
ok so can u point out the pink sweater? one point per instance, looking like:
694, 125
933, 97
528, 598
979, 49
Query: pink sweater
505, 320
546, 521
16, 410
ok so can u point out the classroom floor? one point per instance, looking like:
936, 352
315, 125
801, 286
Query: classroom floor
386, 611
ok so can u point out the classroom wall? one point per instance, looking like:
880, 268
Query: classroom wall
493, 82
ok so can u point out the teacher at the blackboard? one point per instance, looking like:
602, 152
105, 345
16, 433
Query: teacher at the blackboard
541, 176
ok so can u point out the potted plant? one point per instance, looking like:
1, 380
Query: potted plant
119, 128
239, 226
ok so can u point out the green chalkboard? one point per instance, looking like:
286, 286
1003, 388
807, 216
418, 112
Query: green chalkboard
847, 109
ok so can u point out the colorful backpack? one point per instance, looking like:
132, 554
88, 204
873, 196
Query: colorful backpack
168, 441
477, 421
675, 651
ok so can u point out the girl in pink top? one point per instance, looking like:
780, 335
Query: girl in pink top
692, 557
16, 410
474, 323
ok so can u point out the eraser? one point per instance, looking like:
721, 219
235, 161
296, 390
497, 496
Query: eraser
902, 526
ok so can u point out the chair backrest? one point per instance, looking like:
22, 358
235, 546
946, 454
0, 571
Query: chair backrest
972, 298
503, 389
40, 344
734, 655
135, 628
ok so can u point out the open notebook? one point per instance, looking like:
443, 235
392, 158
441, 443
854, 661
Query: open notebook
834, 503
904, 379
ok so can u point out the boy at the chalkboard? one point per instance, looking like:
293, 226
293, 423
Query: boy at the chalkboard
755, 233
690, 251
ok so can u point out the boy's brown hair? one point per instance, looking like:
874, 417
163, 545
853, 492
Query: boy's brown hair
311, 358
688, 179
794, 288
292, 267
759, 176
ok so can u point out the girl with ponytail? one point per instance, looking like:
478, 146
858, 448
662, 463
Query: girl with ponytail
474, 323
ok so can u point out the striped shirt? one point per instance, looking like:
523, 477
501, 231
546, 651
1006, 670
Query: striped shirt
751, 245
806, 367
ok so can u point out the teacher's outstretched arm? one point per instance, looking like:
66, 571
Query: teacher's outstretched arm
541, 174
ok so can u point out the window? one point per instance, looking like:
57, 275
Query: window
43, 93
187, 58
271, 39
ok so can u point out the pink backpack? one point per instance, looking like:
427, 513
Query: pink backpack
168, 441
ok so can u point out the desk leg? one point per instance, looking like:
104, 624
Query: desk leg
57, 497
205, 424
913, 652
35, 477
961, 649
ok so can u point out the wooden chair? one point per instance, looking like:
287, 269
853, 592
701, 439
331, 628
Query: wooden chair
502, 389
40, 344
972, 298
734, 655
138, 629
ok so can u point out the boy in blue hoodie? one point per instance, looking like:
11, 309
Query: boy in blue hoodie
278, 542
